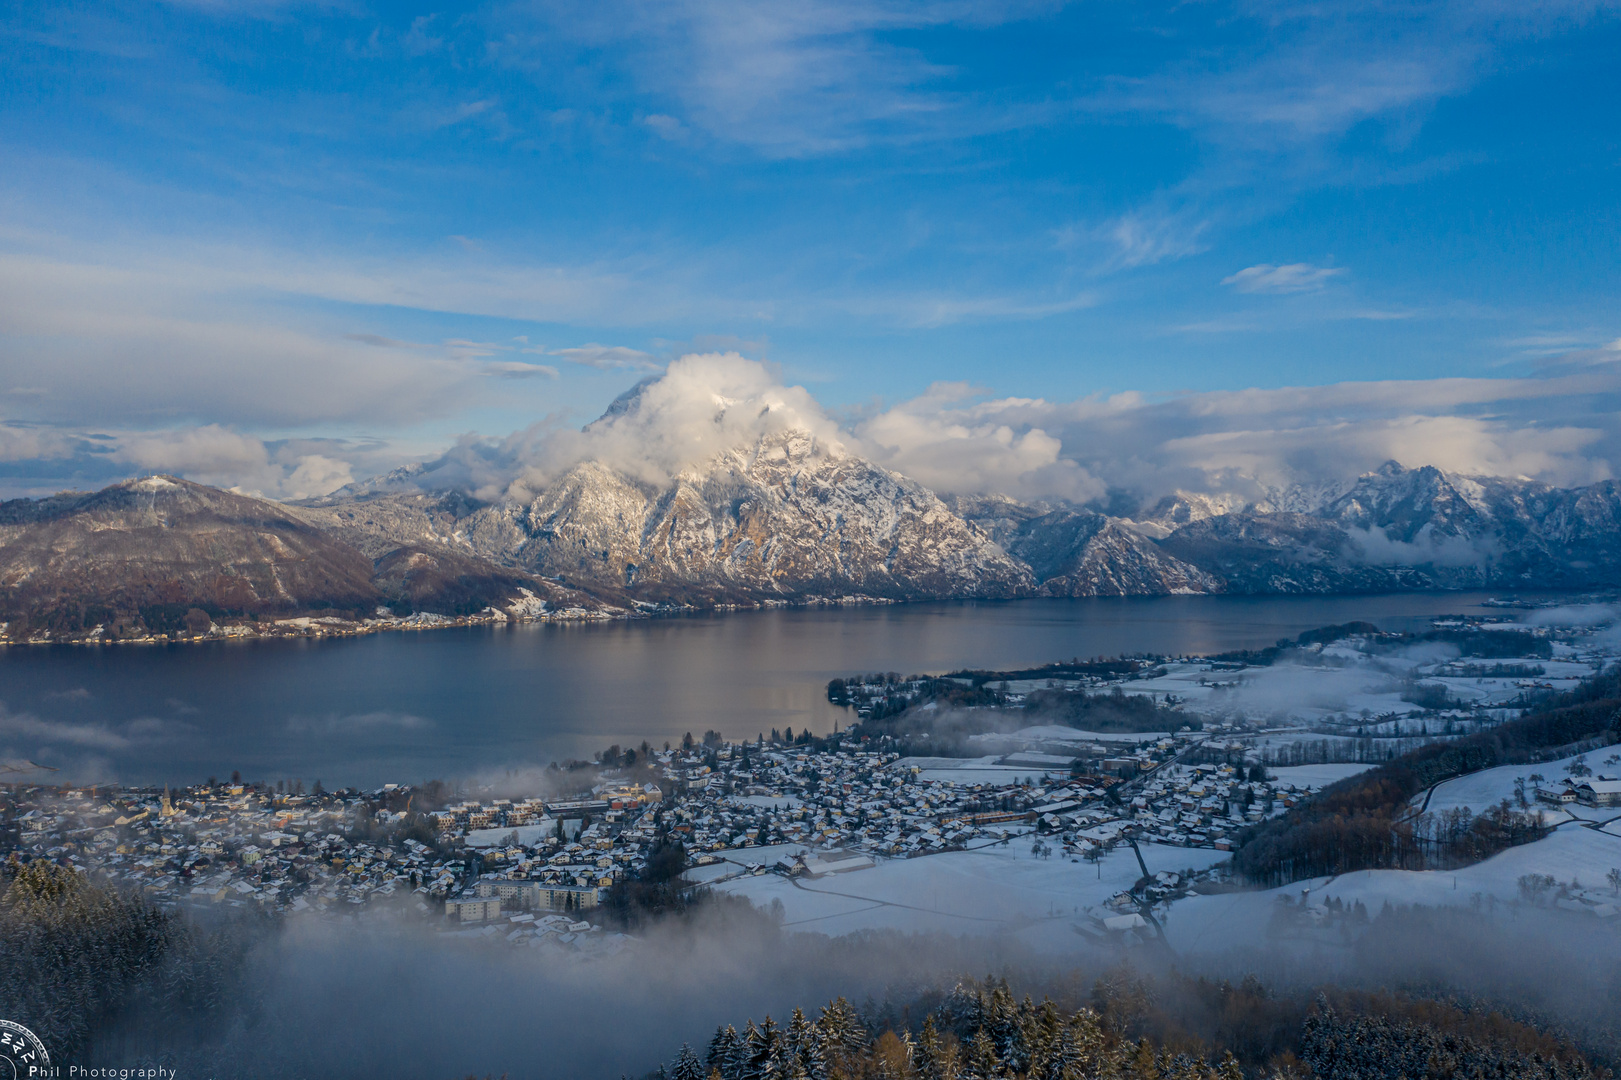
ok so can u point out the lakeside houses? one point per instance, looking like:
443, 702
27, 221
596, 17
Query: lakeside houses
533, 868
553, 870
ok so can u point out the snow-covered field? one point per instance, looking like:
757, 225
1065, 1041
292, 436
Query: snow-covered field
993, 889
1314, 775
501, 837
1300, 691
1000, 888
1482, 790
1573, 855
733, 863
980, 770
1352, 682
1279, 739
1052, 733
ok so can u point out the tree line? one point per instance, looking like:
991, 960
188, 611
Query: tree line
1132, 1028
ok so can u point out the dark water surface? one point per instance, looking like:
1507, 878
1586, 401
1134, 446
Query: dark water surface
463, 703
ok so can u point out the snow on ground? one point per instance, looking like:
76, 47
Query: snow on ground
740, 860
501, 837
1044, 735
1005, 889
1291, 689
769, 802
991, 889
971, 771
1276, 740
1314, 775
1482, 790
1573, 853
1057, 734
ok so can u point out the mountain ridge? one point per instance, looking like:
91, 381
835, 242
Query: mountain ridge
781, 518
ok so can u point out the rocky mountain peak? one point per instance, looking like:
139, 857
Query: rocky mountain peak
762, 502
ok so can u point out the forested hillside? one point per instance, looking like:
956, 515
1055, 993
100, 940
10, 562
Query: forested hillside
1367, 822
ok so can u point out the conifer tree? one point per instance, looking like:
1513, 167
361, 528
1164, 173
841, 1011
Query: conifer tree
982, 1062
726, 1053
933, 1058
686, 1065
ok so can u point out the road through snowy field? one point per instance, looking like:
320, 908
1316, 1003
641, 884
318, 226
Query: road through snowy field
993, 889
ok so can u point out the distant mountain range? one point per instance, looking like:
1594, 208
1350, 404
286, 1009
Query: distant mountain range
784, 518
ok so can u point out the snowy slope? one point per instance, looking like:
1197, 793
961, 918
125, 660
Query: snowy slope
993, 890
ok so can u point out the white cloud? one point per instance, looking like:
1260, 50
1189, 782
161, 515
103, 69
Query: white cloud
517, 369
789, 79
216, 455
1305, 91
456, 114
608, 357
1378, 548
314, 474
665, 127
20, 443
1244, 444
702, 405
1143, 239
1564, 430
1327, 67
928, 440
122, 345
1335, 449
1289, 278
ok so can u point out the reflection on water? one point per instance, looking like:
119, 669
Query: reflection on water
457, 703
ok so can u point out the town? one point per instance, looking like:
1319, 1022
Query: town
543, 867
931, 766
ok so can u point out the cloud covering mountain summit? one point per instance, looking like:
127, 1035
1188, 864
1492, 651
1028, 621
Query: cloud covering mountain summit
1255, 446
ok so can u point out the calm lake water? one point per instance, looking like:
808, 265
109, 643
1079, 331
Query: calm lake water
479, 702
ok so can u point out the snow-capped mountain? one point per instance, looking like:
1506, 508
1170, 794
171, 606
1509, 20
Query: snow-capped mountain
780, 518
1400, 528
785, 515
788, 516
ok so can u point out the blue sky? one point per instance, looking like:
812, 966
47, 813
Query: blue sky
240, 240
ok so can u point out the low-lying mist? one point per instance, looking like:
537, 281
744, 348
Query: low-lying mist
328, 998
343, 999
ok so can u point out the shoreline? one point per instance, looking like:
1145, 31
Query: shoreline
323, 626
312, 627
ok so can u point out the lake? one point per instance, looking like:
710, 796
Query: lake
470, 703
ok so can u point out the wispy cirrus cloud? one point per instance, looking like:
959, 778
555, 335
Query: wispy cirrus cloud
1144, 239
788, 79
608, 358
518, 369
1281, 280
